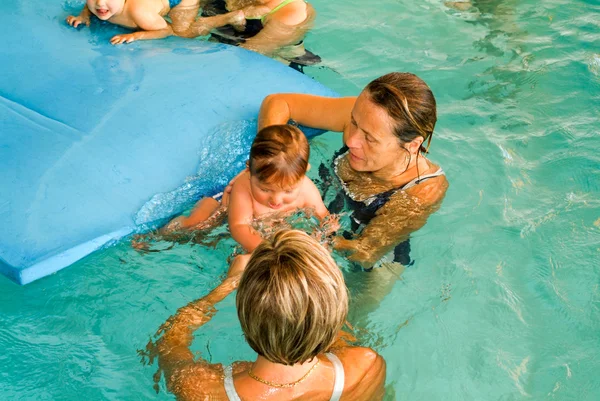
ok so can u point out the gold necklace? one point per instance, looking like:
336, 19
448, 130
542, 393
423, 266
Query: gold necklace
284, 385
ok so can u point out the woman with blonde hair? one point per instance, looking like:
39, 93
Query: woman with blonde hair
292, 302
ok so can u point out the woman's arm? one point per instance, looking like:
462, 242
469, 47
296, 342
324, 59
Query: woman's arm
327, 113
403, 214
287, 26
173, 347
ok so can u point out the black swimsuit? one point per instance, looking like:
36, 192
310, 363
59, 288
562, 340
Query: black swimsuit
230, 36
364, 211
227, 34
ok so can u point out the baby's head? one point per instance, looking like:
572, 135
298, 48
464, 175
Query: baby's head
278, 163
104, 9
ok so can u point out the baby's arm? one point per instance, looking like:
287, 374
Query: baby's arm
313, 199
329, 223
82, 18
241, 214
152, 25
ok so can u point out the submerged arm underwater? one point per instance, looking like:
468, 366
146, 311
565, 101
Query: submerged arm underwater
184, 374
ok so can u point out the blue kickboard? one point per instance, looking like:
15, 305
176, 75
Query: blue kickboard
97, 141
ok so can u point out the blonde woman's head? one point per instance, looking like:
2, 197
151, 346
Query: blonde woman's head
292, 300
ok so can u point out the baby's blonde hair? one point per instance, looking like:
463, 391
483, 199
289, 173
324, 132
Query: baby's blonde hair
292, 300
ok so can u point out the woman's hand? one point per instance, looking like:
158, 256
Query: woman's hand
329, 225
355, 254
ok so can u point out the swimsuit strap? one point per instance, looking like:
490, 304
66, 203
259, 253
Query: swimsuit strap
422, 178
277, 8
338, 384
232, 395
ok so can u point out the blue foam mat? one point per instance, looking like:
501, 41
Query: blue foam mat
96, 140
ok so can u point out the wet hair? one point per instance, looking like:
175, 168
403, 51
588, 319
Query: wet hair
292, 300
409, 102
279, 155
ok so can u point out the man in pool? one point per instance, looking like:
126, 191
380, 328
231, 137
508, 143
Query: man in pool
148, 17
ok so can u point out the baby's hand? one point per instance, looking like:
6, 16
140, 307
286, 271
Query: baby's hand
330, 224
326, 230
125, 38
76, 21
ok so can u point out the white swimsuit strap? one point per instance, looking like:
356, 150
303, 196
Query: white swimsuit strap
229, 387
422, 178
338, 384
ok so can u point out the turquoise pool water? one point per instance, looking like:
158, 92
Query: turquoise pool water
503, 300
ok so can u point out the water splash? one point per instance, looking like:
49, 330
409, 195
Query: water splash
222, 156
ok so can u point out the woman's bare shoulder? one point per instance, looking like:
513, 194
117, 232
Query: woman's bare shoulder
427, 193
431, 191
359, 359
364, 371
293, 13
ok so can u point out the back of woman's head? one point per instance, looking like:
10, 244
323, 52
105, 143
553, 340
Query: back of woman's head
279, 155
292, 300
409, 102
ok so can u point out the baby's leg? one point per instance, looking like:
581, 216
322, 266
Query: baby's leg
203, 209
201, 212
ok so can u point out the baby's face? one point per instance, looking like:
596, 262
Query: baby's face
104, 9
274, 196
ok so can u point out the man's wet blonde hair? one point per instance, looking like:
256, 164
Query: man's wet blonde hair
292, 300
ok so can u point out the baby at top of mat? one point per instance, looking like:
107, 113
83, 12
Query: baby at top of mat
148, 17
274, 183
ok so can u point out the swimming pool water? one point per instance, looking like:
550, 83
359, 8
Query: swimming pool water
503, 300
